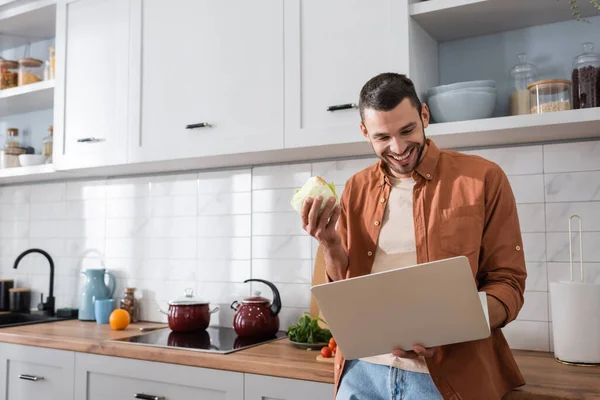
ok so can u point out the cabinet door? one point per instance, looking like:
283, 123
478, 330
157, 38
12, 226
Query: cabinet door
103, 377
91, 103
332, 48
211, 78
35, 373
259, 387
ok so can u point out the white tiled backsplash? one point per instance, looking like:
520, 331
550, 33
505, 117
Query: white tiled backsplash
211, 231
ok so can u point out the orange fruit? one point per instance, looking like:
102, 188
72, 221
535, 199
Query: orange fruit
119, 319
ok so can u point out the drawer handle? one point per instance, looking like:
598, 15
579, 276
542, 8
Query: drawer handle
342, 107
200, 125
31, 377
90, 140
147, 397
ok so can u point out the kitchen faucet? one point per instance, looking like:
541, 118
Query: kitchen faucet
48, 306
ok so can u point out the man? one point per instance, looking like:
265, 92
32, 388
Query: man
421, 204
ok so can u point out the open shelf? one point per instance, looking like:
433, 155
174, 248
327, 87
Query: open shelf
533, 128
457, 19
28, 98
39, 170
26, 21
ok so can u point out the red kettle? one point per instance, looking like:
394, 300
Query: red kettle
256, 316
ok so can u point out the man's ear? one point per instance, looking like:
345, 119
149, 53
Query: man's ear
425, 115
364, 131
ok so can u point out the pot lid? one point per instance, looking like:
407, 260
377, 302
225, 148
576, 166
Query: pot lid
188, 299
256, 298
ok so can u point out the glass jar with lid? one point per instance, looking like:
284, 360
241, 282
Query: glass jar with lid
550, 95
9, 73
47, 144
31, 70
523, 75
130, 304
9, 156
586, 78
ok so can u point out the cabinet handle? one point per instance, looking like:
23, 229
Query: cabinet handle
147, 397
90, 140
31, 377
342, 107
200, 125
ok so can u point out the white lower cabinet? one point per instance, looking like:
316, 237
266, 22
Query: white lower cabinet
260, 387
103, 377
35, 373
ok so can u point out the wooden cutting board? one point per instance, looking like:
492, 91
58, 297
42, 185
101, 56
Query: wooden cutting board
319, 277
322, 359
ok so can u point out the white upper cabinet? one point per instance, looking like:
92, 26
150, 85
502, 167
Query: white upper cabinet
211, 78
91, 103
332, 48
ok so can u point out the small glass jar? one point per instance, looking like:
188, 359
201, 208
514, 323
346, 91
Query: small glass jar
523, 75
47, 144
550, 95
586, 78
31, 70
130, 304
52, 63
9, 74
12, 139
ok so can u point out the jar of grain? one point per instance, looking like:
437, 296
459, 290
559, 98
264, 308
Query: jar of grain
9, 73
31, 70
130, 304
586, 78
47, 144
550, 95
523, 75
52, 63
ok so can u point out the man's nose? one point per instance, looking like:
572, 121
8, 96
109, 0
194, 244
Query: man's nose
398, 146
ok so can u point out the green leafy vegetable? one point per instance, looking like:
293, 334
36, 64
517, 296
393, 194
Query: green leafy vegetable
314, 186
307, 330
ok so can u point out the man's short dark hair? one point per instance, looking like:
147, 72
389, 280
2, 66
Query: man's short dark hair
385, 91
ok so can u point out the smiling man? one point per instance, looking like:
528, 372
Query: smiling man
421, 204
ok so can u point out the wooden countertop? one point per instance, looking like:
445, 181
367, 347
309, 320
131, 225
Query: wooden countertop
546, 378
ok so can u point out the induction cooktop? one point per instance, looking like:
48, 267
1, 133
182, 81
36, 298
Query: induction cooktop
212, 340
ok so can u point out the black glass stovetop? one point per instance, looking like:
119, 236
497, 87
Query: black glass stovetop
212, 340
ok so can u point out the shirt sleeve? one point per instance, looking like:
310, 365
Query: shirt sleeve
502, 270
342, 225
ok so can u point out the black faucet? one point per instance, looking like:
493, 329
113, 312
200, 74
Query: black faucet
48, 306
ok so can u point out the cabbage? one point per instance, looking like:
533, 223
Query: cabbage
314, 187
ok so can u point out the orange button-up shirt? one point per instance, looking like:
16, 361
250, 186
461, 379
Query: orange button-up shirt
463, 205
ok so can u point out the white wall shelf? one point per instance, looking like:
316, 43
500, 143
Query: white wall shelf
28, 98
503, 131
23, 22
533, 128
457, 19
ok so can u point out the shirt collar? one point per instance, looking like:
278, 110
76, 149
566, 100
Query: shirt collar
426, 167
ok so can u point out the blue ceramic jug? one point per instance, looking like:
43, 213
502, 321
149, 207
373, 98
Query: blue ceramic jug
94, 289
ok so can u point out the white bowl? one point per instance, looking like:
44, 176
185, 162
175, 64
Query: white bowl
460, 85
28, 160
462, 106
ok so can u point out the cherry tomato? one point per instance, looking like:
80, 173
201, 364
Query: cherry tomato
326, 352
332, 344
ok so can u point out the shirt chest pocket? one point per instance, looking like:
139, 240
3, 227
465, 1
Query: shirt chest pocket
460, 229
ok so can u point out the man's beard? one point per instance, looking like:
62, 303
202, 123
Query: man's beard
409, 168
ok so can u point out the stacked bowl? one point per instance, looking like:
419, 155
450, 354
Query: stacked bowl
462, 101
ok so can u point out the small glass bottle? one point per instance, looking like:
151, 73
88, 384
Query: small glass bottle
47, 144
586, 78
130, 304
523, 75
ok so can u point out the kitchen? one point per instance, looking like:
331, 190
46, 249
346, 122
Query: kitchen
167, 198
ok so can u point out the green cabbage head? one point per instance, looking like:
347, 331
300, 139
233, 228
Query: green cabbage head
314, 187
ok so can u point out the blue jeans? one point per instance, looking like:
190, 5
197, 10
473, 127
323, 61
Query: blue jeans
366, 381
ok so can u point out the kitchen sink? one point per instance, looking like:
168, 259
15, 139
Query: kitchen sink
16, 319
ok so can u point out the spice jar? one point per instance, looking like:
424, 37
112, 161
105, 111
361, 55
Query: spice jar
9, 156
130, 304
31, 70
550, 95
523, 75
47, 144
586, 78
9, 73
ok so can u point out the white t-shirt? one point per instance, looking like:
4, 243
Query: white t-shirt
396, 248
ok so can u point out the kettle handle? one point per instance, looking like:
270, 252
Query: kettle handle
276, 304
112, 284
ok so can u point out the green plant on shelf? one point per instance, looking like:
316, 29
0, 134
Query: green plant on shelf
576, 11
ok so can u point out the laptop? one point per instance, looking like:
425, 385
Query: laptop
432, 304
